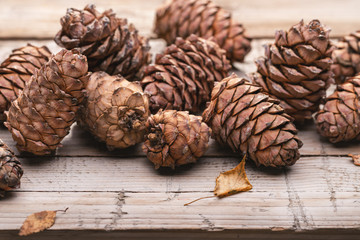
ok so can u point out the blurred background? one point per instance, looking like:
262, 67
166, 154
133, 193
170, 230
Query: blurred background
40, 18
37, 21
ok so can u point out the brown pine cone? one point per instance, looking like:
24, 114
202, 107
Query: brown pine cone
181, 18
346, 57
17, 70
175, 138
252, 123
115, 110
110, 43
183, 77
42, 115
339, 119
10, 169
296, 69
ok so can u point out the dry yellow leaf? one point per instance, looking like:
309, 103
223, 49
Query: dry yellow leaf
229, 183
233, 181
38, 222
356, 158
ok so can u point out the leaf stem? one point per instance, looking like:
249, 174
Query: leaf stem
64, 211
186, 204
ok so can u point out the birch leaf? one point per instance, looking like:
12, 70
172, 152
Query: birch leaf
232, 181
38, 222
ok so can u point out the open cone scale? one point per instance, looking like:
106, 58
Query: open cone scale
114, 111
175, 138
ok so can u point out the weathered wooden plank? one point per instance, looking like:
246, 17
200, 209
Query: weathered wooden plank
127, 194
153, 211
262, 18
41, 18
149, 211
135, 174
322, 174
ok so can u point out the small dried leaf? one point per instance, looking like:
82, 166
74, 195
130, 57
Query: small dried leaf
356, 158
38, 222
233, 181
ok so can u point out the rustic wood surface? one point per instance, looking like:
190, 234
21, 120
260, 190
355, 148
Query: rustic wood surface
120, 194
120, 190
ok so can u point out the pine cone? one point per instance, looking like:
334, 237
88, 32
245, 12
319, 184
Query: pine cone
115, 110
296, 69
110, 43
181, 18
10, 169
339, 120
175, 138
42, 115
183, 77
17, 70
253, 123
346, 57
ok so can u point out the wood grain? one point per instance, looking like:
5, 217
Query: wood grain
41, 18
120, 194
323, 174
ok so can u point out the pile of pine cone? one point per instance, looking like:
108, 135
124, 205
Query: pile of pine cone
102, 80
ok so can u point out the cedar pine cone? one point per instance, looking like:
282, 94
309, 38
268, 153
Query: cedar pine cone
110, 43
115, 110
17, 70
183, 77
339, 119
42, 115
175, 138
10, 169
296, 69
346, 57
251, 122
181, 18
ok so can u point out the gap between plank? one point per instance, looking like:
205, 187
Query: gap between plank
144, 156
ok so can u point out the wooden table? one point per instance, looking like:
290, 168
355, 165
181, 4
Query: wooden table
120, 194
